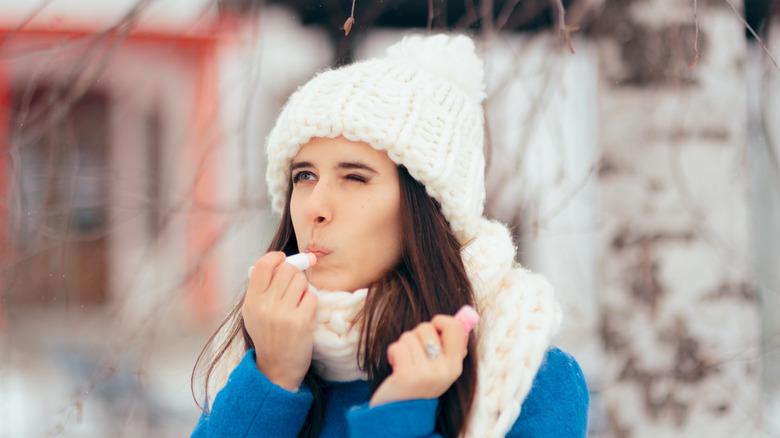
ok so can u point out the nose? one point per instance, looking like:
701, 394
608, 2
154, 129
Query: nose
319, 205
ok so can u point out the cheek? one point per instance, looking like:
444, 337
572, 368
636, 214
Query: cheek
296, 216
391, 232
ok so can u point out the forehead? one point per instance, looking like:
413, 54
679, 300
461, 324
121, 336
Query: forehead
323, 149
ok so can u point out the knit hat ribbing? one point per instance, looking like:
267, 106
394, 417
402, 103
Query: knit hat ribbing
422, 104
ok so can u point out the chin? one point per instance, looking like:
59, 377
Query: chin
329, 280
324, 283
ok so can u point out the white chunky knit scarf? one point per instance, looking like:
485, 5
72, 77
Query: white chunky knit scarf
519, 317
335, 337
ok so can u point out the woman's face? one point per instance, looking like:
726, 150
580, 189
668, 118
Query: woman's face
346, 209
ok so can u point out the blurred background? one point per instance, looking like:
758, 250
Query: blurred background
633, 146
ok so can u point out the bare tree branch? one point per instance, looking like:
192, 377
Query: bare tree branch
25, 22
487, 16
562, 27
430, 15
350, 21
755, 35
696, 37
505, 13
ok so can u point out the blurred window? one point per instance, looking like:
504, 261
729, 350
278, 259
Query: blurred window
59, 226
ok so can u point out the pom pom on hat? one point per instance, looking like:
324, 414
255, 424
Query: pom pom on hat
422, 103
453, 58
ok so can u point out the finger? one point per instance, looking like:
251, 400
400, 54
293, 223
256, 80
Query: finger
414, 350
399, 354
263, 270
428, 337
295, 289
392, 354
308, 305
454, 340
281, 280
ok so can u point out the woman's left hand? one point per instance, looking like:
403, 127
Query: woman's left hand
426, 361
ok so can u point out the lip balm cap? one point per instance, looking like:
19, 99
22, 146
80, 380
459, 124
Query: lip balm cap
468, 317
301, 261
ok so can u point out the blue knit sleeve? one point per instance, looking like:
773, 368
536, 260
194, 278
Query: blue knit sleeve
557, 405
250, 405
405, 419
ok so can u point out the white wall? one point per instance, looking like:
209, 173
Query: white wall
764, 103
679, 325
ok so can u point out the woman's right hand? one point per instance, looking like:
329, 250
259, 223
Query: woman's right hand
418, 375
278, 312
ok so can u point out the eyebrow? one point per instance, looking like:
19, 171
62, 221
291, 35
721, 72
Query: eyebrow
342, 165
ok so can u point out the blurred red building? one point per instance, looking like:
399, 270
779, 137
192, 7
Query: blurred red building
109, 163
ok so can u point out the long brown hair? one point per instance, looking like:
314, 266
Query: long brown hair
429, 279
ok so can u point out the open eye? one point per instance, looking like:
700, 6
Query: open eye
303, 175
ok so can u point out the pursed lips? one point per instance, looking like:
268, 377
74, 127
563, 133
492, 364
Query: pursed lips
317, 250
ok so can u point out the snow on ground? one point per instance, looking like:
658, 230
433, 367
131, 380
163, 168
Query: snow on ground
67, 378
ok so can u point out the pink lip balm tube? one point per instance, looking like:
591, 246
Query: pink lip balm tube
468, 317
302, 261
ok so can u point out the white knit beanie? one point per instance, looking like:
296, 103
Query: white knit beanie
422, 103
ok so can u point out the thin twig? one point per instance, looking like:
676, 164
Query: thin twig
755, 35
350, 21
774, 159
562, 27
24, 22
505, 13
469, 17
85, 74
696, 37
548, 217
486, 10
430, 15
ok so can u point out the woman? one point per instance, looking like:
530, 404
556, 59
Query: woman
377, 169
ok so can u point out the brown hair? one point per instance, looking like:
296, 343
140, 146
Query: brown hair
429, 279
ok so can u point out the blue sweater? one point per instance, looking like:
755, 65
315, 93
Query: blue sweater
251, 406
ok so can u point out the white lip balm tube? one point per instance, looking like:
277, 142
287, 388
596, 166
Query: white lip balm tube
302, 261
